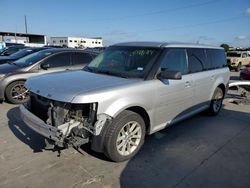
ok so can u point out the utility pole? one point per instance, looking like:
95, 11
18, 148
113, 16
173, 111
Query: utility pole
26, 29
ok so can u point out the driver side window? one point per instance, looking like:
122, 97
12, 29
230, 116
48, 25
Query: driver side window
175, 60
244, 55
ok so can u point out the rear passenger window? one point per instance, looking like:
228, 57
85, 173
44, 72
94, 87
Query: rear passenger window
82, 58
218, 58
175, 60
59, 60
197, 60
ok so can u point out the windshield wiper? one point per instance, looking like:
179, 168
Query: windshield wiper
118, 74
12, 63
89, 69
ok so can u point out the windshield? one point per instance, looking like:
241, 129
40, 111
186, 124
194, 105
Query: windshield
21, 53
124, 61
32, 58
233, 54
3, 50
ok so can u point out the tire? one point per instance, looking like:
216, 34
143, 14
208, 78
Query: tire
237, 69
120, 143
17, 89
216, 102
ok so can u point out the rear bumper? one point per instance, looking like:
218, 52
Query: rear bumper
38, 125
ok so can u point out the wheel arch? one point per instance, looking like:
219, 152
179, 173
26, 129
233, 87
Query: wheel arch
223, 87
12, 81
143, 113
7, 85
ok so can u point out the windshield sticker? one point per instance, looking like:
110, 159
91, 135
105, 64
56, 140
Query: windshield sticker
140, 68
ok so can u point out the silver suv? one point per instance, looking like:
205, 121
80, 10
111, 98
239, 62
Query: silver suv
129, 90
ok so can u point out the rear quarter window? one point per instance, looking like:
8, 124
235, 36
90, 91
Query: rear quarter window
81, 58
217, 58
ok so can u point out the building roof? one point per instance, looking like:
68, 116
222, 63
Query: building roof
78, 37
166, 45
19, 34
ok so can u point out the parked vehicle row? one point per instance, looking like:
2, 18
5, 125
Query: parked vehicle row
39, 61
126, 92
19, 54
11, 50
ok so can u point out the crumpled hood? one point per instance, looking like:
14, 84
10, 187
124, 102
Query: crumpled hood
65, 86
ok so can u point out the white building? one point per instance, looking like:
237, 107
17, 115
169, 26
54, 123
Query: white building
76, 42
28, 39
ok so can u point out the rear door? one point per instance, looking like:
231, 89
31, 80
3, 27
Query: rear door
203, 76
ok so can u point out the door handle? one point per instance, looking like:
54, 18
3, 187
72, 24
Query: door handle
212, 77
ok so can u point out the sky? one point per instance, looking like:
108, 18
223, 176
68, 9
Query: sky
205, 21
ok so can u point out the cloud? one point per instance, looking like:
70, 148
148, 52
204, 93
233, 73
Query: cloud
248, 11
241, 37
116, 36
120, 33
205, 38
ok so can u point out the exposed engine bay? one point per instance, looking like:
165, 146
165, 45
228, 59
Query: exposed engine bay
75, 124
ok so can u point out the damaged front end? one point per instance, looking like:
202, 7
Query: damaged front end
66, 124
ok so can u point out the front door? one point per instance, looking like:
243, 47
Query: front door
174, 97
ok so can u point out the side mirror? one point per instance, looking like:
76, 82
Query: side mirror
45, 66
168, 74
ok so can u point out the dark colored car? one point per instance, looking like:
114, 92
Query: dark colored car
19, 54
245, 73
13, 75
11, 50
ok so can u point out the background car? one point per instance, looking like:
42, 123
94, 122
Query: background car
245, 73
11, 50
13, 75
237, 59
20, 54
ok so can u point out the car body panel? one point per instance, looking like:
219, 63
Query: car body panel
245, 74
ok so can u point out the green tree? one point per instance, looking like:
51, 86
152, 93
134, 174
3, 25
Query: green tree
225, 46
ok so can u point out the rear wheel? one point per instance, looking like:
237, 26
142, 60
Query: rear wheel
16, 92
216, 103
125, 136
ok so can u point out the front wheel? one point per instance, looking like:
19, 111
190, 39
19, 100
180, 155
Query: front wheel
237, 69
16, 92
125, 136
216, 102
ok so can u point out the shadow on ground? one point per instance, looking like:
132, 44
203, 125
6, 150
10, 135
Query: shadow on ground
199, 152
35, 141
234, 78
